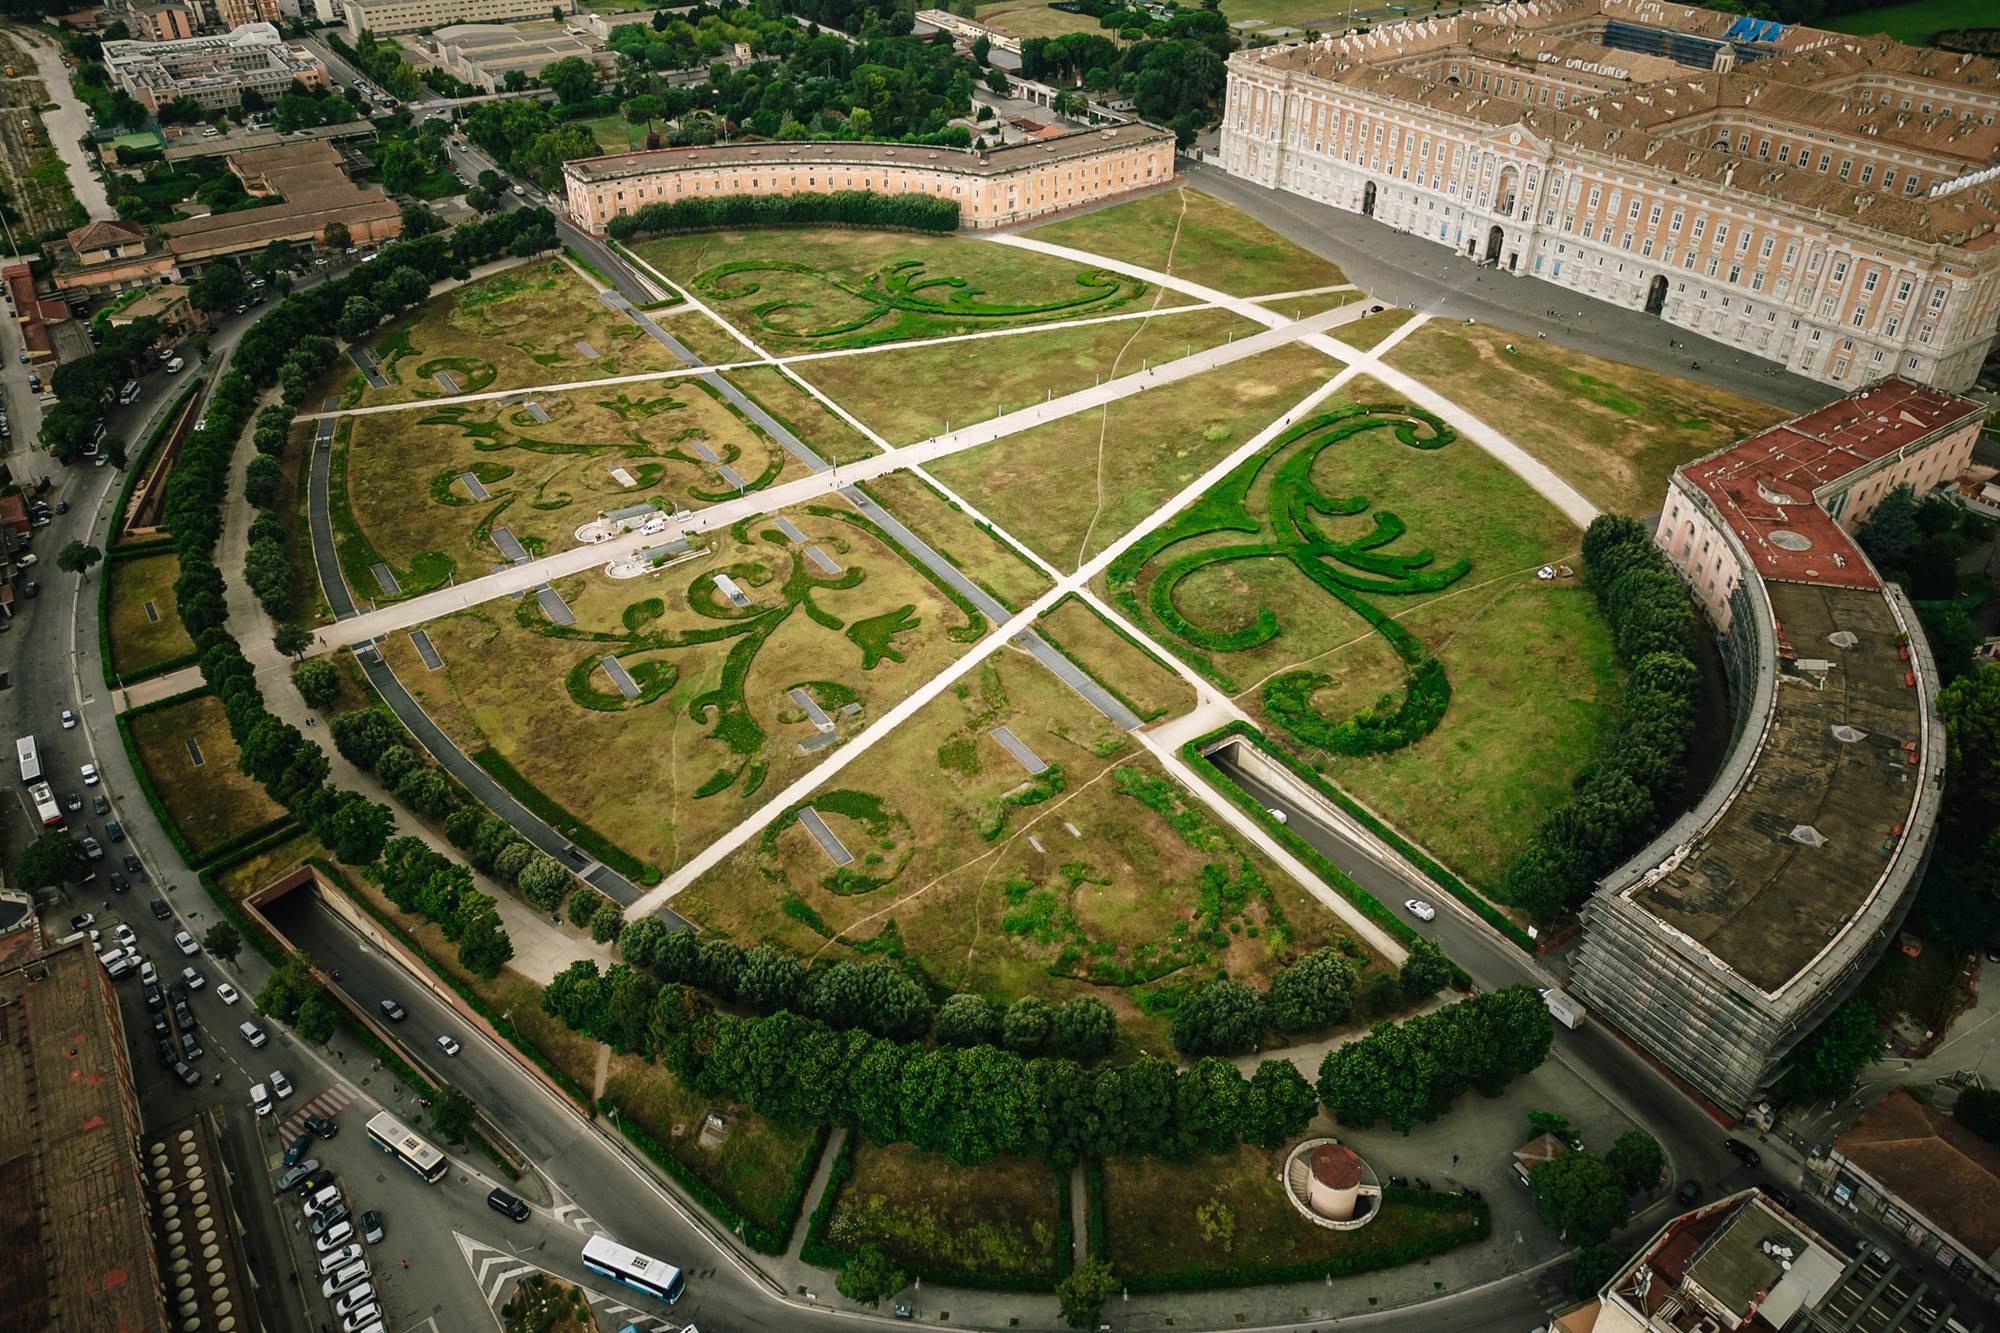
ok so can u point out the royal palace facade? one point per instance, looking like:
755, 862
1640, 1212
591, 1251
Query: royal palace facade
1823, 200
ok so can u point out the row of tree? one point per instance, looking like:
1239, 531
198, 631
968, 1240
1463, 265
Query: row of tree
1919, 544
970, 1103
1229, 1017
434, 886
1412, 1071
372, 739
851, 208
1619, 799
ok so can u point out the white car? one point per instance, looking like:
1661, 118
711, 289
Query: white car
340, 1258
1420, 909
123, 934
447, 1045
337, 1235
185, 943
68, 719
364, 1317
225, 992
280, 1085
1275, 813
90, 775
354, 1300
194, 979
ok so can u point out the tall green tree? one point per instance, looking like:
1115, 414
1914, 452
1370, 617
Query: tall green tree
1579, 1196
1637, 1160
1890, 534
452, 1113
223, 941
1832, 1056
869, 1275
78, 558
1083, 1293
50, 861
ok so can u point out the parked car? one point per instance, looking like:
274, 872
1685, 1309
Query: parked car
123, 934
185, 1074
99, 803
1742, 1152
93, 849
189, 1046
132, 865
337, 1235
114, 830
68, 719
288, 1179
500, 1201
355, 1299
160, 909
365, 1319
154, 1000
1689, 1191
83, 921
327, 1219
280, 1085
332, 1261
371, 1227
320, 1125
297, 1149
1420, 909
120, 884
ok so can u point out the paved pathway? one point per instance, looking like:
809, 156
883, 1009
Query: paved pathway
68, 123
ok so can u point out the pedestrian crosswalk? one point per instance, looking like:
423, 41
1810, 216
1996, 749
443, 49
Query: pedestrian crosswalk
329, 1103
496, 1271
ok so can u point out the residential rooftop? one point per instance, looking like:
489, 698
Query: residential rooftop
73, 1211
969, 161
1935, 1165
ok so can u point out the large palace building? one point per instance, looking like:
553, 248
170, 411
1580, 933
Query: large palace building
993, 187
1818, 199
1729, 938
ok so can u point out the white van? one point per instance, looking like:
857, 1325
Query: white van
260, 1099
174, 366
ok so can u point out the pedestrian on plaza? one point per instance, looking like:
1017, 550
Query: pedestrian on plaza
405, 1262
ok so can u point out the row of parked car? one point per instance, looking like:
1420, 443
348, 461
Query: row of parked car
343, 1266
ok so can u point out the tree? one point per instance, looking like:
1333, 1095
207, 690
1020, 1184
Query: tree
1580, 1197
220, 288
1027, 1024
1638, 1161
966, 1019
544, 881
223, 941
336, 236
355, 828
1224, 1016
1594, 1267
1828, 1061
573, 78
1084, 1029
1277, 1105
357, 317
868, 1276
319, 1017
583, 905
1933, 568
1890, 534
1083, 1293
292, 639
1426, 971
263, 475
77, 558
51, 861
317, 681
1970, 706
1952, 636
604, 927
290, 984
452, 1113
1314, 992
485, 947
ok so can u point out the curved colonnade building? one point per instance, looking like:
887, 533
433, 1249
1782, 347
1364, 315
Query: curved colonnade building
1822, 200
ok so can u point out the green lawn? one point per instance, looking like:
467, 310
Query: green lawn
1036, 18
1613, 431
1197, 237
1365, 332
1071, 488
924, 1211
140, 640
1217, 1214
1913, 22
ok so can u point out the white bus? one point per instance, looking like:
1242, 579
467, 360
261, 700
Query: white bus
389, 1134
30, 757
638, 1271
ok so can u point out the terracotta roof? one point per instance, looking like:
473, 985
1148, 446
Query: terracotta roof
1538, 1150
1335, 1166
1933, 1164
103, 234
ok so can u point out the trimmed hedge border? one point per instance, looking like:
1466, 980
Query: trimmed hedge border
764, 1240
508, 1032
1436, 873
495, 765
1371, 907
1367, 1261
820, 1251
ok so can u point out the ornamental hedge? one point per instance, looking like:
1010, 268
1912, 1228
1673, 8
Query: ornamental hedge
841, 208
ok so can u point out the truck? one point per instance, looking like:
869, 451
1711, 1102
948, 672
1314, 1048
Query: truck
45, 806
1563, 1009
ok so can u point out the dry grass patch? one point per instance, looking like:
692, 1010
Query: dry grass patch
139, 640
1071, 488
516, 328
911, 393
209, 802
1197, 237
1615, 432
714, 731
242, 878
932, 1214
1364, 333
981, 885
1036, 18
981, 556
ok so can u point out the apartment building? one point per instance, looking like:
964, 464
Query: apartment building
213, 72
383, 17
993, 187
1724, 942
162, 23
1822, 200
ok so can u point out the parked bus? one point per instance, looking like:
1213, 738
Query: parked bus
45, 806
30, 757
388, 1133
638, 1271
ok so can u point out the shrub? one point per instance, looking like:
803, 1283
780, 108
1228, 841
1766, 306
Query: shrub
966, 1019
1314, 992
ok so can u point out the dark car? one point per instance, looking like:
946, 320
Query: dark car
1742, 1152
184, 1017
186, 1075
299, 1147
31, 589
371, 1227
322, 1222
1779, 1197
1690, 1191
396, 1013
114, 830
500, 1201
314, 1183
320, 1125
189, 1046
160, 909
169, 1057
132, 864
177, 992
160, 1028
119, 884
99, 803
154, 1000
72, 802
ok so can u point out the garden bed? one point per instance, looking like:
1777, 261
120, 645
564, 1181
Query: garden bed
209, 806
144, 645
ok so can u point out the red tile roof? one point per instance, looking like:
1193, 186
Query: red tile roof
1935, 1165
1335, 1166
1764, 485
103, 234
